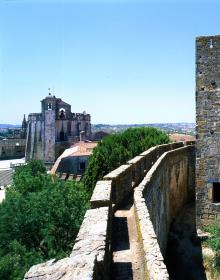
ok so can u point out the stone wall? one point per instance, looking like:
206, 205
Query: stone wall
208, 129
12, 148
91, 255
158, 199
129, 175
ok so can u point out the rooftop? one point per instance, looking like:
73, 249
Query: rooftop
81, 148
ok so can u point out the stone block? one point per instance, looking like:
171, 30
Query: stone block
101, 196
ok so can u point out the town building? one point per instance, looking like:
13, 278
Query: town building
73, 161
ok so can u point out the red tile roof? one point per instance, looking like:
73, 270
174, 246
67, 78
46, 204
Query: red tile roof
80, 148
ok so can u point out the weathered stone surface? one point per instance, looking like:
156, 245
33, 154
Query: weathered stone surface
208, 126
93, 233
122, 182
76, 268
102, 194
139, 170
158, 199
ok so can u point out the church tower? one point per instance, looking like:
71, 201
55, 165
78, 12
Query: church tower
48, 106
53, 130
24, 128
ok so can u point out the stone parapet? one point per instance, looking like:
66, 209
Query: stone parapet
101, 196
154, 266
122, 182
168, 185
129, 175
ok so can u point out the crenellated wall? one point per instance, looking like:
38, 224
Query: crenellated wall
153, 171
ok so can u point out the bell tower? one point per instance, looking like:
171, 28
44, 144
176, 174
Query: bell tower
48, 131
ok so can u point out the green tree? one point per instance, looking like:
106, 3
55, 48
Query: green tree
17, 260
39, 219
30, 177
117, 149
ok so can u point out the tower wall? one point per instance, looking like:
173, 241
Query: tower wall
33, 140
208, 129
49, 136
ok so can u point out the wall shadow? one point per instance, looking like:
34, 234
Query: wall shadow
120, 238
123, 269
184, 252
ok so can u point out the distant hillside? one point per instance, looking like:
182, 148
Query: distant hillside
5, 126
180, 128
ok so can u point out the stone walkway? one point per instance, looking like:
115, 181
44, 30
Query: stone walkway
127, 261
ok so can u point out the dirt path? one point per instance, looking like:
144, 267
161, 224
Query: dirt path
127, 261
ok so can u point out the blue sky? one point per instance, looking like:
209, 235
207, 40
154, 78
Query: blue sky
121, 61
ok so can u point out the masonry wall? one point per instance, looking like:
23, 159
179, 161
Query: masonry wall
12, 148
91, 255
208, 128
158, 199
34, 143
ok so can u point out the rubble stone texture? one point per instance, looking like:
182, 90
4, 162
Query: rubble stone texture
208, 128
101, 195
158, 199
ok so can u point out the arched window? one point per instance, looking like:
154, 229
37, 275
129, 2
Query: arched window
49, 106
62, 113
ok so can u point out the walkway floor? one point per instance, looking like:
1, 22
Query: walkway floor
127, 260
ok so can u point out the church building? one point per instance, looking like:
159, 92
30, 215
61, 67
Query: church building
53, 130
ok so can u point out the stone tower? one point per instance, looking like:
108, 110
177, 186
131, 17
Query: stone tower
53, 130
49, 119
208, 129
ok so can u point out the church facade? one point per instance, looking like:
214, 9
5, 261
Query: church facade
53, 130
